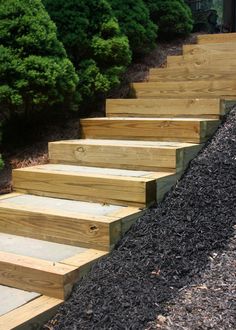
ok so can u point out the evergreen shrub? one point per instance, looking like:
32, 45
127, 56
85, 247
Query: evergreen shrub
173, 17
135, 22
94, 43
34, 68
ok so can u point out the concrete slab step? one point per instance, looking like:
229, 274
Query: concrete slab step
41, 266
14, 298
25, 310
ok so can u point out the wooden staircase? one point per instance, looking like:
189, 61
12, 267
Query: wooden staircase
64, 216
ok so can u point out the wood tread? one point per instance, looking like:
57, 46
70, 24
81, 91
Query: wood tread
193, 130
203, 108
42, 266
92, 184
63, 221
124, 154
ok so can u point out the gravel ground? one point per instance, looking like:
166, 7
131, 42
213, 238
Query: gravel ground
175, 268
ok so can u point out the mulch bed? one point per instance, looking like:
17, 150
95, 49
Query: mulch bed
36, 151
175, 268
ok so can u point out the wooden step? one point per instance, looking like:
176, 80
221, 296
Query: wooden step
216, 38
93, 184
32, 274
201, 108
186, 89
212, 47
208, 60
63, 221
41, 266
185, 73
124, 154
192, 130
24, 312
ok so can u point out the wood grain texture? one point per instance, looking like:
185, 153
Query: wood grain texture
118, 155
204, 108
37, 275
82, 230
185, 89
189, 130
208, 60
187, 73
199, 48
174, 60
216, 38
135, 191
31, 315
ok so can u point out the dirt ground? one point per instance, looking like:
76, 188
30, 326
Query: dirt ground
35, 153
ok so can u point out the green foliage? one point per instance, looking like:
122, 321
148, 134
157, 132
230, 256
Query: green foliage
173, 17
34, 68
94, 42
135, 22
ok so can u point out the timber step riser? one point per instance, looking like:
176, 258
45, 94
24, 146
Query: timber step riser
139, 192
211, 62
186, 89
61, 226
190, 108
54, 279
191, 131
184, 74
216, 38
169, 158
180, 103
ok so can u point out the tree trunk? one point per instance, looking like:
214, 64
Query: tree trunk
230, 15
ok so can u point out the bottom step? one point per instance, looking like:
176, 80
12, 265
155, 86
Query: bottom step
25, 310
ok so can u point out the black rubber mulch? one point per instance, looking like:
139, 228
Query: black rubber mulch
165, 251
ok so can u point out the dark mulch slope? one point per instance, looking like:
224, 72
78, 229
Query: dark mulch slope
166, 250
209, 303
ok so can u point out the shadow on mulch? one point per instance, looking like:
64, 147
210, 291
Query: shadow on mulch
34, 148
165, 251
